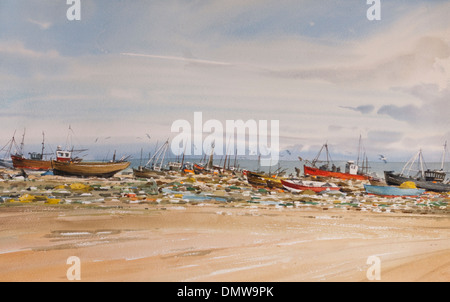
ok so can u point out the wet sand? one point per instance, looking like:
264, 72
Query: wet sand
219, 242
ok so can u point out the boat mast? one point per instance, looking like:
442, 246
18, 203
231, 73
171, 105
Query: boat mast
182, 160
164, 155
359, 151
443, 156
422, 171
21, 144
226, 155
11, 143
410, 162
318, 154
210, 161
42, 151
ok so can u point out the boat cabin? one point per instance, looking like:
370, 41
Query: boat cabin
174, 166
63, 155
434, 175
351, 167
35, 156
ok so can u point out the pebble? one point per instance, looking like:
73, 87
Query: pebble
201, 189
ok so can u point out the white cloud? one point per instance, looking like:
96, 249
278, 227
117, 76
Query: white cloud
231, 60
42, 24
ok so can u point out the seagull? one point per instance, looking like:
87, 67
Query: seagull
383, 158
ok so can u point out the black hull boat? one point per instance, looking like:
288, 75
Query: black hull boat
430, 180
154, 167
430, 185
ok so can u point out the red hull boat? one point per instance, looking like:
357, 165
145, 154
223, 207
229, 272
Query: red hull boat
324, 173
298, 185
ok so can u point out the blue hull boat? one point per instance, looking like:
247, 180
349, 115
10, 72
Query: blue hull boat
393, 191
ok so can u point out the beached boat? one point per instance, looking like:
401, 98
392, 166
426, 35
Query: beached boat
35, 162
389, 191
274, 183
352, 170
5, 160
324, 172
174, 165
295, 185
143, 172
430, 180
187, 168
256, 179
263, 180
396, 179
88, 169
6, 163
154, 166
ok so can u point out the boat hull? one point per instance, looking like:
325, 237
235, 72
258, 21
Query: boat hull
88, 169
5, 163
389, 191
318, 172
147, 173
256, 180
30, 164
395, 179
260, 180
313, 186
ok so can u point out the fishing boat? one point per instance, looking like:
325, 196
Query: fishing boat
143, 172
263, 180
297, 185
430, 180
207, 167
256, 179
392, 191
5, 159
88, 169
352, 170
174, 165
392, 178
187, 168
198, 168
6, 163
35, 162
154, 166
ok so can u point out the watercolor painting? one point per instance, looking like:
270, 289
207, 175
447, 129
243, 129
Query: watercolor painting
191, 141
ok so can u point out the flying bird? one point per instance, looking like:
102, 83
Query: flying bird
383, 158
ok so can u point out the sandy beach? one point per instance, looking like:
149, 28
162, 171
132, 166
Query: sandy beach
163, 237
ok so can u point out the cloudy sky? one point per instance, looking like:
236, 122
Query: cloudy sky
321, 68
